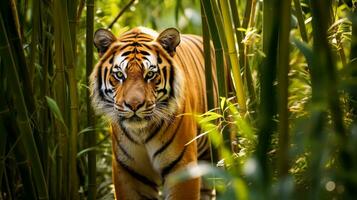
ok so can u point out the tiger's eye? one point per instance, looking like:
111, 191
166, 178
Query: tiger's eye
150, 74
120, 75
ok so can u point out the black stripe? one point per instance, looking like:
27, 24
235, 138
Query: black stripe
126, 133
155, 131
111, 59
111, 82
159, 60
130, 35
144, 36
142, 66
136, 175
108, 90
147, 46
101, 93
164, 71
136, 44
166, 170
172, 74
144, 53
145, 58
122, 148
162, 90
163, 147
126, 53
125, 46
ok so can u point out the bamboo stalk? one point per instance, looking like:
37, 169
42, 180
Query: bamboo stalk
23, 121
247, 13
34, 38
44, 122
232, 51
267, 74
208, 73
241, 48
256, 7
300, 19
80, 9
92, 185
216, 39
214, 20
60, 97
326, 65
283, 84
218, 22
72, 20
12, 25
73, 99
207, 59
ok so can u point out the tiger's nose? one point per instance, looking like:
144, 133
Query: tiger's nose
134, 104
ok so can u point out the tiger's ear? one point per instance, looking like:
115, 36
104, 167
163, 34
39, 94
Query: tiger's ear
169, 39
102, 40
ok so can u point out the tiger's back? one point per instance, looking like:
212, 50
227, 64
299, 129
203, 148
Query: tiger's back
145, 82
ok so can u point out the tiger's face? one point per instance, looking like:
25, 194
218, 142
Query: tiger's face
135, 82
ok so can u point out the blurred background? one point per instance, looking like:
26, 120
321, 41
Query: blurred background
285, 126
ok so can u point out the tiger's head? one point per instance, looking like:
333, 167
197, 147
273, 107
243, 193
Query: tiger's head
136, 81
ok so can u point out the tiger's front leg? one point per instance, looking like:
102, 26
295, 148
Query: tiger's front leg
128, 187
185, 190
133, 176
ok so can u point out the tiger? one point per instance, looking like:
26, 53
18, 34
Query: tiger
145, 83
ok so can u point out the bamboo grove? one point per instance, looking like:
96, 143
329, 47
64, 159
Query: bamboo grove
285, 126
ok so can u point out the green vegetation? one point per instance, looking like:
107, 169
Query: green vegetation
285, 126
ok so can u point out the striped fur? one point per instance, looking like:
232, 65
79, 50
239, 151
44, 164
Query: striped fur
144, 85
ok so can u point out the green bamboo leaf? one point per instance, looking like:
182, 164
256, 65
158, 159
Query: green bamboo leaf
245, 129
209, 118
52, 104
223, 102
86, 150
87, 130
242, 29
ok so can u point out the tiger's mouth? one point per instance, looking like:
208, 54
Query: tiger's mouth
137, 118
